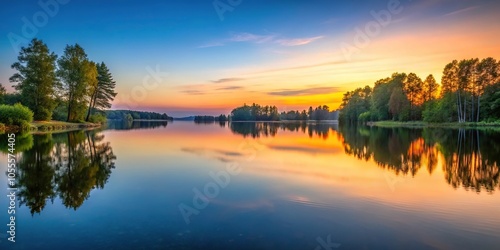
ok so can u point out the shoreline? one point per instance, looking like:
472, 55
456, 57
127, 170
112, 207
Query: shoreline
51, 126
421, 124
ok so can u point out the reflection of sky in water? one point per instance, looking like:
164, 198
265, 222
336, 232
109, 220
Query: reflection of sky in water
295, 189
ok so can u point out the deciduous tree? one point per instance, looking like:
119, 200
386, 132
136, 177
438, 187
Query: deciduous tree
79, 77
36, 78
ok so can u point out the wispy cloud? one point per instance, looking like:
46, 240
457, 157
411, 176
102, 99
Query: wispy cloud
211, 44
331, 63
225, 80
249, 37
221, 155
307, 91
193, 92
462, 10
230, 88
262, 39
298, 41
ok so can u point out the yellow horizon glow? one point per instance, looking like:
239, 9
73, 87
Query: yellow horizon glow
418, 49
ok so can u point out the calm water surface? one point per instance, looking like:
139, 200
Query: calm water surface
182, 185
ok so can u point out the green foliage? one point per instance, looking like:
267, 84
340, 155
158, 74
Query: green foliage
469, 93
61, 111
98, 118
120, 115
221, 118
79, 77
271, 113
399, 105
430, 89
490, 103
439, 110
469, 80
24, 141
104, 92
17, 114
204, 119
354, 104
255, 113
11, 98
210, 119
36, 78
127, 117
3, 92
320, 113
293, 115
381, 96
365, 117
414, 89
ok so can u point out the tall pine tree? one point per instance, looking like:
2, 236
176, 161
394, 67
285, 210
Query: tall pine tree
103, 94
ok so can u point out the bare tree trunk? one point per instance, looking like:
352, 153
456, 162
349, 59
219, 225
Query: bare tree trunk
91, 104
478, 107
465, 109
472, 109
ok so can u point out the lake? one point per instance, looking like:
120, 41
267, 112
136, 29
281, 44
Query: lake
181, 185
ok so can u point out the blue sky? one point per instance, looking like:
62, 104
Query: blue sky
287, 53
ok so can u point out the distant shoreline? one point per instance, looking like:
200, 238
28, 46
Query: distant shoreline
295, 121
421, 124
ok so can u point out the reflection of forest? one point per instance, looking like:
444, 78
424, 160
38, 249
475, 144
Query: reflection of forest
65, 165
266, 129
129, 125
469, 159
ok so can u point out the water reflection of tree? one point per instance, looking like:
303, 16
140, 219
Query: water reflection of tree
35, 180
129, 124
471, 162
468, 161
266, 129
66, 165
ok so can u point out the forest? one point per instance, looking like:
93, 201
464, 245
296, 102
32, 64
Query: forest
469, 92
131, 115
256, 112
210, 119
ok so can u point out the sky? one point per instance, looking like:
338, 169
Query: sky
196, 57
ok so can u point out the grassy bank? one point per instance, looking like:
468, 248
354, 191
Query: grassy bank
421, 124
47, 126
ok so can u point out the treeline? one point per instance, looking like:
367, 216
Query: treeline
210, 119
256, 112
70, 87
469, 92
130, 115
476, 166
